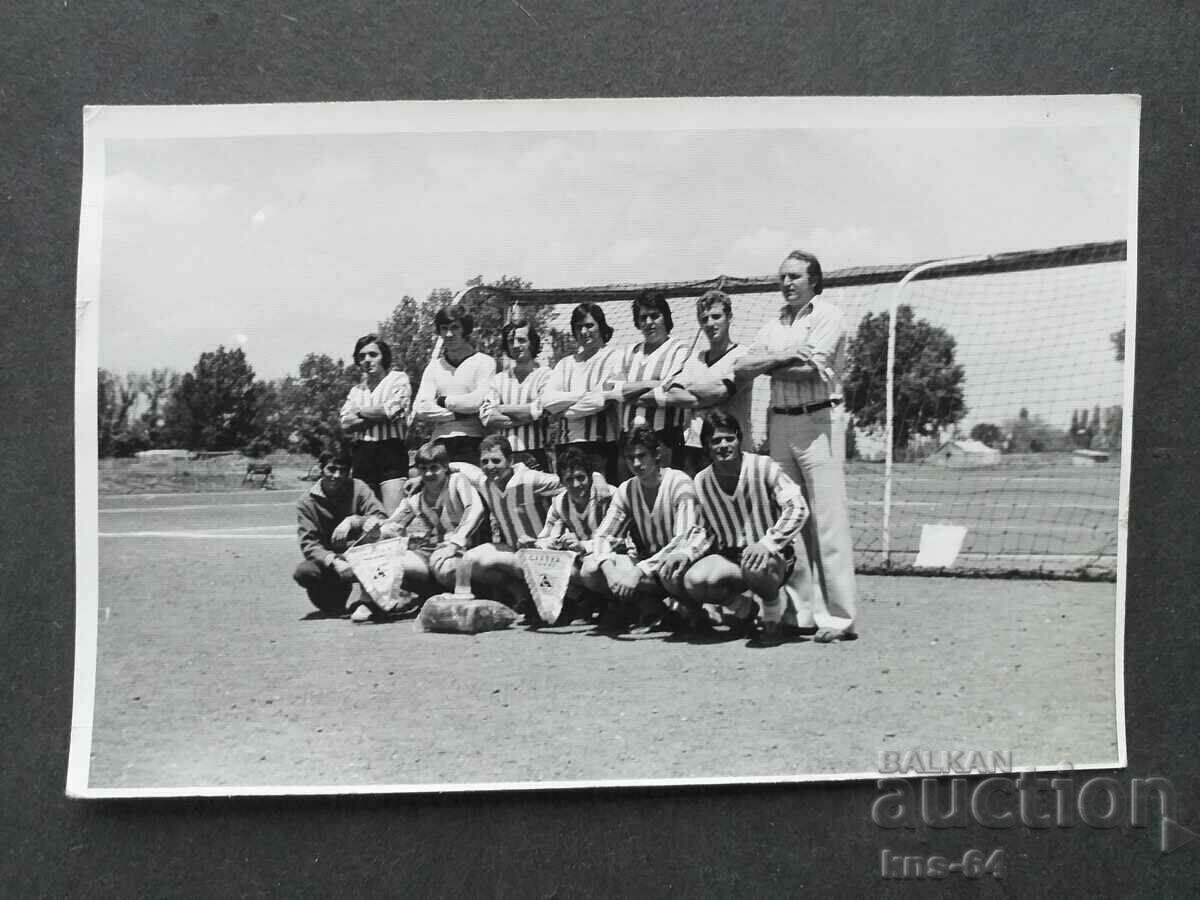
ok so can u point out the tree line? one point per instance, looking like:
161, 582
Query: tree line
221, 406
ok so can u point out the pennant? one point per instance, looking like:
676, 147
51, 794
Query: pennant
379, 567
547, 573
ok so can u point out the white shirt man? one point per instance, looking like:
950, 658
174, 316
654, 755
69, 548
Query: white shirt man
801, 350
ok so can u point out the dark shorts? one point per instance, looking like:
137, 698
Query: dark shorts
734, 555
603, 454
378, 461
692, 460
463, 448
534, 459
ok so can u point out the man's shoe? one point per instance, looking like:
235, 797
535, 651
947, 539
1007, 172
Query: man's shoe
771, 634
361, 613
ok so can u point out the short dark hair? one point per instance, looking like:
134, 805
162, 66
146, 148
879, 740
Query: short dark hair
385, 352
574, 458
657, 301
447, 315
506, 333
497, 442
431, 453
711, 298
582, 311
338, 454
722, 420
815, 278
642, 436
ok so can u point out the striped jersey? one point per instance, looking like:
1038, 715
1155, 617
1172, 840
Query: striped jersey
590, 418
662, 363
765, 506
673, 517
392, 393
738, 406
507, 390
454, 516
519, 511
564, 516
816, 331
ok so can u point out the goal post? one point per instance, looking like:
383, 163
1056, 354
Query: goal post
1035, 491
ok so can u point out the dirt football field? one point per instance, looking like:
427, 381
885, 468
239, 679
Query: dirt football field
212, 674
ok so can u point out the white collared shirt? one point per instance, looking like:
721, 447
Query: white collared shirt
816, 331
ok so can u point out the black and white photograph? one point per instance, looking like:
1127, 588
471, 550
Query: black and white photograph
526, 444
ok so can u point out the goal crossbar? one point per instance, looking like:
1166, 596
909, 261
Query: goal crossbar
1022, 260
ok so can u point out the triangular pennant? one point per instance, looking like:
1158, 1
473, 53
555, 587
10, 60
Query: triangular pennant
547, 573
379, 567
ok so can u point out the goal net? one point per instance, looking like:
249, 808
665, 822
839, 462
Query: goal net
1006, 418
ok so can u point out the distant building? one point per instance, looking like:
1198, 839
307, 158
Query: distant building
965, 454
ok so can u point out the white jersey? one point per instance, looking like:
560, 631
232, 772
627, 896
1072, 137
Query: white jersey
507, 390
463, 388
590, 418
519, 511
766, 506
738, 406
564, 516
393, 393
664, 362
671, 519
454, 516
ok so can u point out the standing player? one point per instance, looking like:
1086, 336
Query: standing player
656, 510
753, 514
577, 394
518, 498
454, 386
512, 406
337, 508
375, 413
646, 367
707, 380
441, 520
574, 516
802, 350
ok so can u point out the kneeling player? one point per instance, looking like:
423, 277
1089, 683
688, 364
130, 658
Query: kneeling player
441, 520
574, 516
337, 508
753, 514
656, 510
518, 499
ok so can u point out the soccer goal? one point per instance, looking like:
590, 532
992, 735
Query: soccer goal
983, 401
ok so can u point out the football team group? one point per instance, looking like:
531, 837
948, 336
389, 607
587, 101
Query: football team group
637, 459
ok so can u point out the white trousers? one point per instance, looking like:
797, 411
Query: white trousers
811, 449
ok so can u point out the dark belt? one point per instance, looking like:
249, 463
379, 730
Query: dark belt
804, 408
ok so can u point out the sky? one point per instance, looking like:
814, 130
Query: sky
290, 244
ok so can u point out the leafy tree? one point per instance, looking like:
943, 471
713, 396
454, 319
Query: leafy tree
987, 433
1118, 342
214, 406
1032, 434
851, 440
156, 386
410, 333
929, 384
305, 414
115, 399
1111, 435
